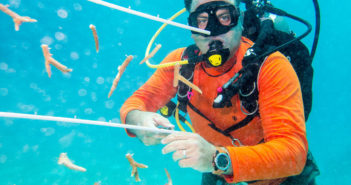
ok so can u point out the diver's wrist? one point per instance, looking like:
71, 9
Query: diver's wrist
222, 164
133, 118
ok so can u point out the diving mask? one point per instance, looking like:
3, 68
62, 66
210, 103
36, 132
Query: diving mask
218, 17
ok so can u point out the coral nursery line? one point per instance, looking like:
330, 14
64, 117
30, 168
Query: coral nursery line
147, 16
82, 121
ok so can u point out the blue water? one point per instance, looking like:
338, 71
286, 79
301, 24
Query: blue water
29, 149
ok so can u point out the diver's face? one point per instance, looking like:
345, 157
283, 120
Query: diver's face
230, 39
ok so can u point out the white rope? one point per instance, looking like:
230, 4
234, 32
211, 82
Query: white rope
82, 121
151, 17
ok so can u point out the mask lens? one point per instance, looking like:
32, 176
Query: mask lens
222, 14
224, 17
202, 20
218, 17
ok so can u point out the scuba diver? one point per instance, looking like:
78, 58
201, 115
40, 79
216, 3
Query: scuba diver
249, 121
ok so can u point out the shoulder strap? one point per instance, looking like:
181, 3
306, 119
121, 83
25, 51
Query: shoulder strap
300, 59
187, 71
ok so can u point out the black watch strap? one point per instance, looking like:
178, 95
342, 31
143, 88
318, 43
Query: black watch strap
220, 152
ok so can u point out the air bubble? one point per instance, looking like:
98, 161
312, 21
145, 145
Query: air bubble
87, 79
35, 148
109, 104
3, 66
115, 120
26, 108
46, 40
48, 131
58, 46
77, 7
4, 91
62, 13
41, 5
87, 52
74, 55
93, 97
11, 70
82, 92
25, 148
33, 86
60, 36
3, 159
101, 119
67, 75
15, 3
88, 111
100, 80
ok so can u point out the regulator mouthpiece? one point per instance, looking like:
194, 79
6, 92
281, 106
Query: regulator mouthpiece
217, 55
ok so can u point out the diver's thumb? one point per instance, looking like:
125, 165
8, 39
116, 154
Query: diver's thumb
163, 122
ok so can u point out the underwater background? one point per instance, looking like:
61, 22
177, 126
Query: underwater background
29, 149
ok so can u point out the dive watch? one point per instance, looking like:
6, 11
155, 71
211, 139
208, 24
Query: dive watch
221, 161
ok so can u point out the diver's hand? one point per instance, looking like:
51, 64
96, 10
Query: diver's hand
191, 150
148, 119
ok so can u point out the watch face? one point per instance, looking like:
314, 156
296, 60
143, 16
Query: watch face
222, 161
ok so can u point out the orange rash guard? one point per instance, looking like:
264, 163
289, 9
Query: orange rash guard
280, 122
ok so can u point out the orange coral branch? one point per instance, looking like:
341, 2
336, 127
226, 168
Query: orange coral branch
188, 83
49, 60
158, 46
121, 70
177, 77
135, 166
93, 29
17, 19
169, 178
64, 160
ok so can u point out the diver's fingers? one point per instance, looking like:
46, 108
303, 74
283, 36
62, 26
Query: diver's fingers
179, 136
162, 121
174, 146
150, 140
187, 162
181, 154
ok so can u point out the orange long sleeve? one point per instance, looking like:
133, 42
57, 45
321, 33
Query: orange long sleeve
281, 111
156, 92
